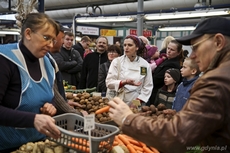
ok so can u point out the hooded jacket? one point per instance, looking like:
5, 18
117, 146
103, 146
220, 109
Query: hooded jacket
204, 119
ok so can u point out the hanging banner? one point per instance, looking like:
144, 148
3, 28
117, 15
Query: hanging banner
88, 30
108, 32
146, 33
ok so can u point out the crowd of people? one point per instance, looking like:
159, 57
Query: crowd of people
33, 70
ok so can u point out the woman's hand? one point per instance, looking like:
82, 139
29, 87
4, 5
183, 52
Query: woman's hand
48, 109
118, 110
46, 125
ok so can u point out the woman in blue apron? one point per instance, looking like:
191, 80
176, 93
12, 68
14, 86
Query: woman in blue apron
26, 83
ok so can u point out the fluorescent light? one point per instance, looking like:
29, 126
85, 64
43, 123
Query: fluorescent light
2, 32
191, 14
105, 19
7, 17
177, 28
77, 38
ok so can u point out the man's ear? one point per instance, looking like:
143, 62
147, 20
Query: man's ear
220, 41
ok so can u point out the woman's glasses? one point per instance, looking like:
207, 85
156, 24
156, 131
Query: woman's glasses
112, 52
48, 38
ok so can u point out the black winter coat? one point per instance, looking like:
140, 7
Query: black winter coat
90, 68
158, 75
70, 65
80, 49
103, 71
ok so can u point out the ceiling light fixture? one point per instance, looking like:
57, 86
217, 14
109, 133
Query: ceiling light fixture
190, 14
105, 19
187, 28
7, 17
9, 33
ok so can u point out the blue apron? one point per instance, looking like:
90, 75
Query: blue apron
34, 94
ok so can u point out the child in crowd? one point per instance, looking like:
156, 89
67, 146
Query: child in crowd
190, 73
166, 94
153, 57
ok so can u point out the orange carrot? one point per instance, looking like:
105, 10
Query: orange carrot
123, 139
118, 140
138, 148
147, 150
131, 149
102, 110
154, 150
79, 147
127, 136
134, 142
139, 151
115, 143
142, 144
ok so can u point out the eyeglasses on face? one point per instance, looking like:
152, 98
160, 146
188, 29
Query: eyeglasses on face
112, 52
196, 45
48, 38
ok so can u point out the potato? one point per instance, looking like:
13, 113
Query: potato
100, 101
82, 101
48, 150
76, 99
69, 95
153, 108
58, 149
145, 108
161, 107
106, 100
79, 95
41, 146
87, 95
29, 146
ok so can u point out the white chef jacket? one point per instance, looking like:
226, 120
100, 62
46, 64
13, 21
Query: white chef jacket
138, 70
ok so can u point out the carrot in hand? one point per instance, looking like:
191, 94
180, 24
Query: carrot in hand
102, 110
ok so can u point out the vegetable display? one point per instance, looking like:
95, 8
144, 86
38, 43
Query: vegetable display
126, 144
41, 147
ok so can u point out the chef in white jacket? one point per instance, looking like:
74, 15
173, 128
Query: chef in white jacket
130, 76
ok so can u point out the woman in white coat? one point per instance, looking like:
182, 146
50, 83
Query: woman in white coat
130, 76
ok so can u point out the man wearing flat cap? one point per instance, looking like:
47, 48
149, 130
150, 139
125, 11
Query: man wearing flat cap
205, 119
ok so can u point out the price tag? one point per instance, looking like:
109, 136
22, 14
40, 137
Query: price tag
89, 122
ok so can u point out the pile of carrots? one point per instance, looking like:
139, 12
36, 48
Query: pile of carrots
133, 145
80, 144
83, 144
